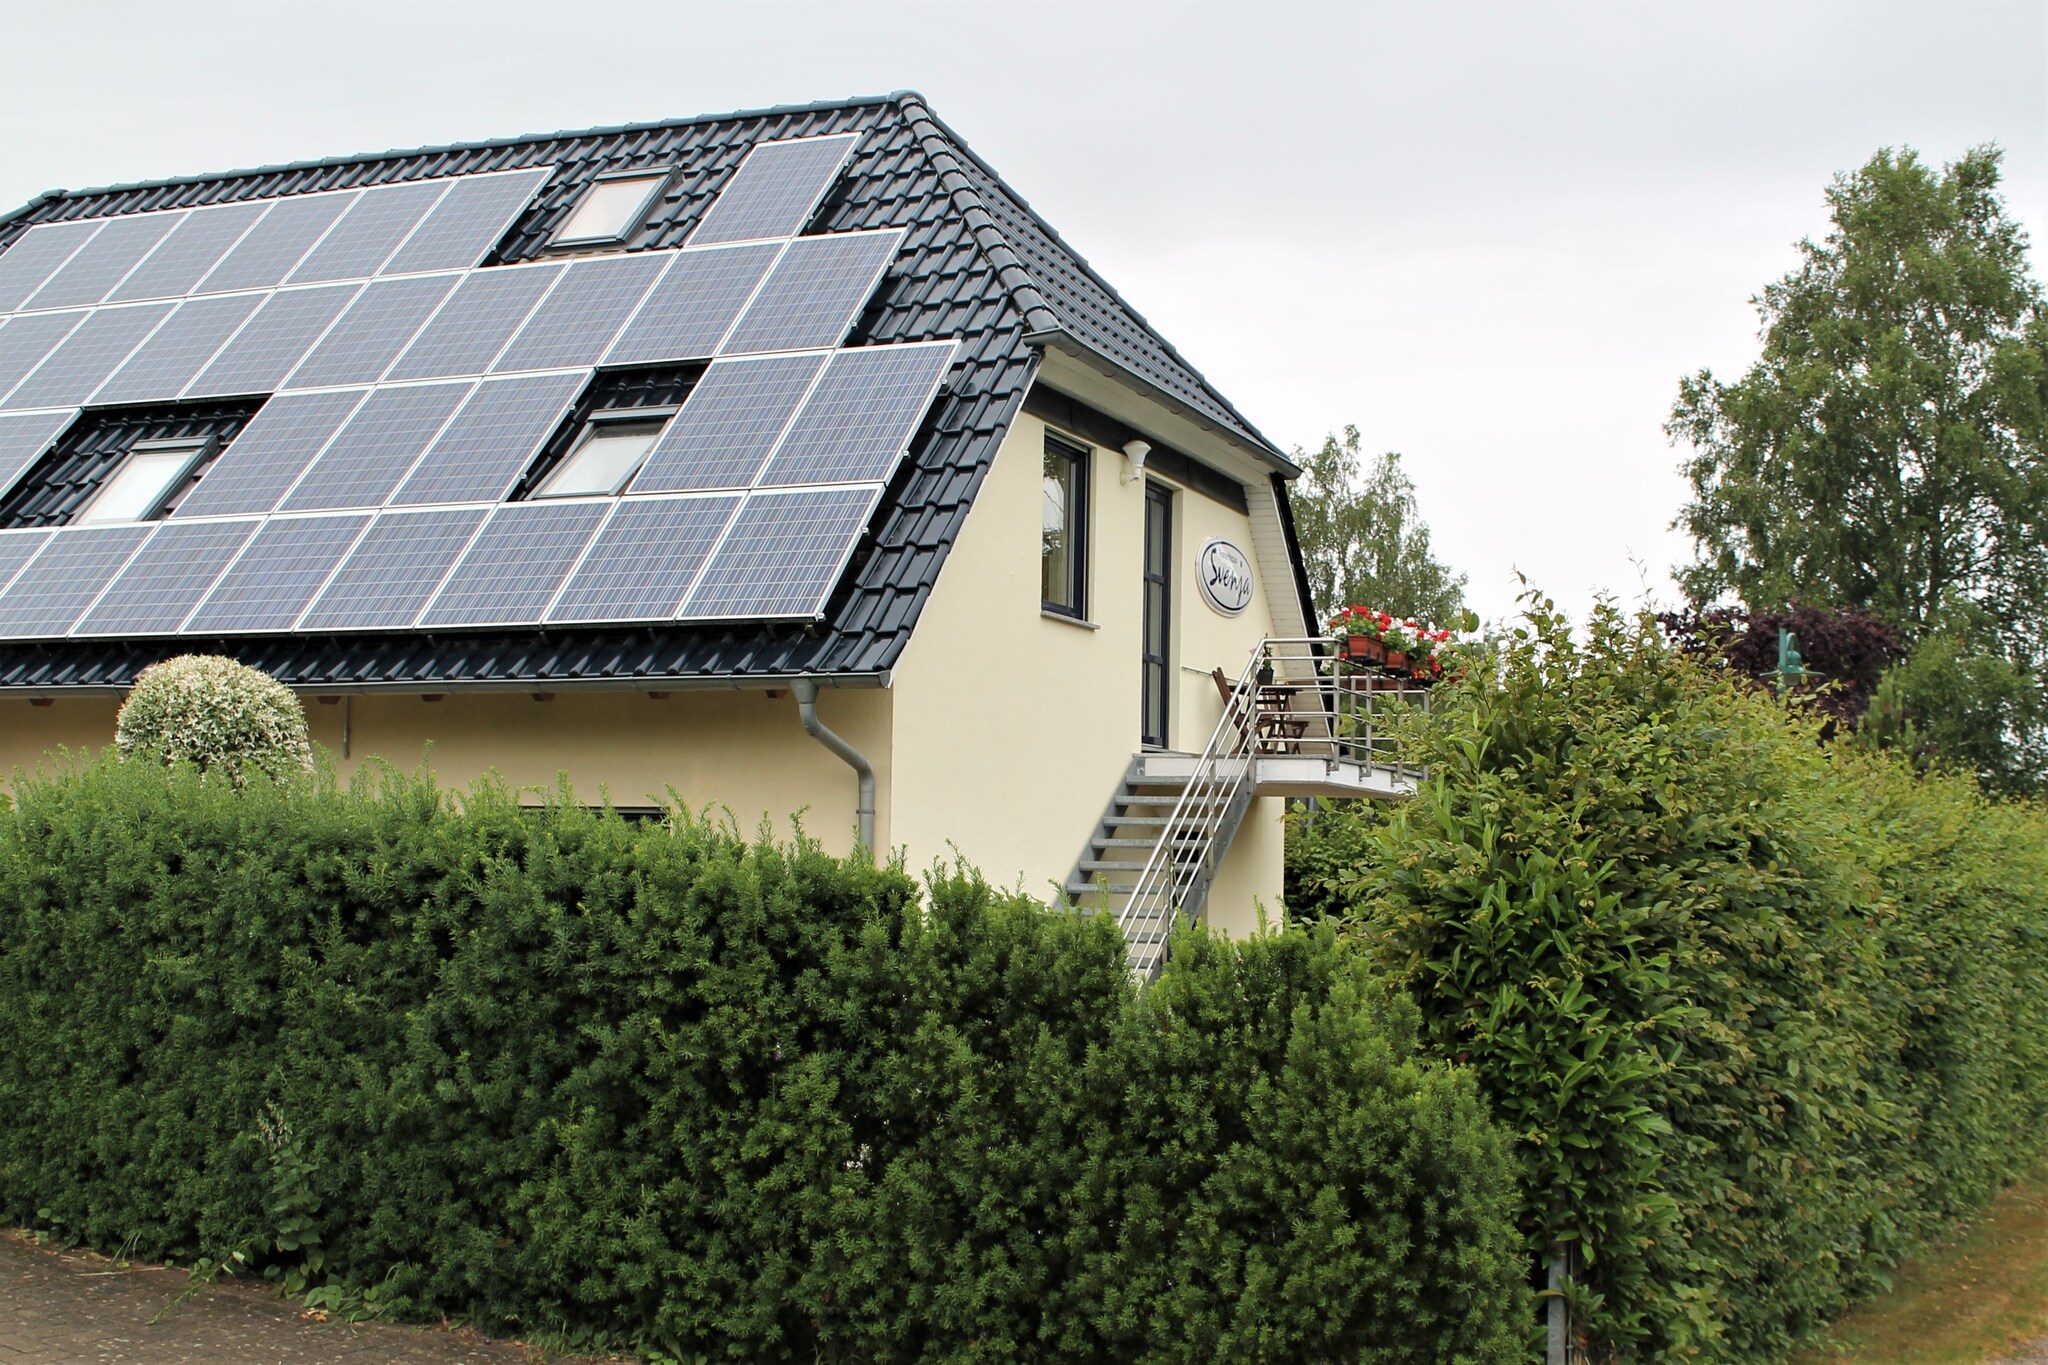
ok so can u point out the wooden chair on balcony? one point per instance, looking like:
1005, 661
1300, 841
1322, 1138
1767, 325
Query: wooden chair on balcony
1271, 728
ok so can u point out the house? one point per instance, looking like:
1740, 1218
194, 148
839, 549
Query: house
782, 461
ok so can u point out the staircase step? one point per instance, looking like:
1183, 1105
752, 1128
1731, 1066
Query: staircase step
1138, 821
1148, 798
1101, 844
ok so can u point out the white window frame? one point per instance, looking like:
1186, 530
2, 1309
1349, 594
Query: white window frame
193, 448
657, 177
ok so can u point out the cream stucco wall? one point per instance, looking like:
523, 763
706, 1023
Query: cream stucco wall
742, 751
1015, 727
28, 733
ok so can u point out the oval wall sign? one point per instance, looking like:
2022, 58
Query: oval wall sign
1225, 573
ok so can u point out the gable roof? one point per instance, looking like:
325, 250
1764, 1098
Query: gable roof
975, 264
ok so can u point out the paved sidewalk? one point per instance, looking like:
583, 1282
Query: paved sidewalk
62, 1307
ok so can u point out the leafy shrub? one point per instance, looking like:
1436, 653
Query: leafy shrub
550, 1070
1765, 1013
216, 713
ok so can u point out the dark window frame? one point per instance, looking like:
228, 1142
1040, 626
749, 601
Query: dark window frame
197, 450
1081, 463
592, 425
661, 176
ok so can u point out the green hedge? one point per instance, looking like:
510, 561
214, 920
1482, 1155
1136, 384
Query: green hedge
1764, 1013
553, 1071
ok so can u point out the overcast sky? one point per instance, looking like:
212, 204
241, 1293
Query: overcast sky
1492, 236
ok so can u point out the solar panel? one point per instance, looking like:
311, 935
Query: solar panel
16, 549
282, 567
774, 190
857, 421
25, 340
392, 570
488, 443
692, 307
268, 455
273, 343
376, 327
467, 222
35, 256
511, 570
23, 439
163, 365
376, 447
273, 247
476, 322
87, 357
577, 321
99, 265
193, 247
814, 293
369, 232
166, 578
642, 563
782, 554
58, 584
728, 425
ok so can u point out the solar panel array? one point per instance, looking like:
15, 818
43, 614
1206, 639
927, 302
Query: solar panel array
411, 389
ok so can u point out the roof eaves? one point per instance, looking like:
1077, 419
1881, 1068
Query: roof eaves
488, 144
941, 128
1060, 339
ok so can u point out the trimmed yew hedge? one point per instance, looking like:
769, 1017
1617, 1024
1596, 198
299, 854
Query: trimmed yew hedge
1765, 1013
554, 1071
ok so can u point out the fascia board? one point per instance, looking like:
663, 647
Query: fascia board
1079, 371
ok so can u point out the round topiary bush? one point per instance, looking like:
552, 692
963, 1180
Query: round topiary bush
216, 713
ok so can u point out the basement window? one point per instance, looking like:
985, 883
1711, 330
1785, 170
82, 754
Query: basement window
611, 208
610, 452
139, 489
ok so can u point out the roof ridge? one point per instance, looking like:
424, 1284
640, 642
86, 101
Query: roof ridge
939, 143
960, 143
443, 149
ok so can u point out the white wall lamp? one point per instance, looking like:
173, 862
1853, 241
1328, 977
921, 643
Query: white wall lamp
1134, 457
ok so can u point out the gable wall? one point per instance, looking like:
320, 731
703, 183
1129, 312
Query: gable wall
1013, 727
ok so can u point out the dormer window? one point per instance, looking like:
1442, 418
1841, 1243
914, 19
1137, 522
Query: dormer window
138, 491
611, 208
609, 453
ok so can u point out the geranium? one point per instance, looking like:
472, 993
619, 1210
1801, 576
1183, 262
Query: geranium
1360, 621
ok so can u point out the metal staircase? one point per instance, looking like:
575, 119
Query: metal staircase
1309, 727
1138, 825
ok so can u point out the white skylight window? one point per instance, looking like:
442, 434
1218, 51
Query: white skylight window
609, 454
139, 490
612, 207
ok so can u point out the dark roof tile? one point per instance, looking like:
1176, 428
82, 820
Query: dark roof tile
976, 263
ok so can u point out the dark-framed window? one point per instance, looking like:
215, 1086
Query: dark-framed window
141, 488
1063, 571
609, 452
611, 208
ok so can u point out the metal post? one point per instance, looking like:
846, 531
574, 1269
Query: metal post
1557, 1348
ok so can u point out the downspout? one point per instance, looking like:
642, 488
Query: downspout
806, 690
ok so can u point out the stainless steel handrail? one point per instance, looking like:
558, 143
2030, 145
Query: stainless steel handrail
1316, 705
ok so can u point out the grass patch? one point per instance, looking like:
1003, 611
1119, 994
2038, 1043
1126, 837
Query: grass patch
1965, 1302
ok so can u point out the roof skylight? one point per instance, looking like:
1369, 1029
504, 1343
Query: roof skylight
612, 207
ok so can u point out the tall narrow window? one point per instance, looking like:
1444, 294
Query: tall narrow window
1063, 573
611, 208
145, 481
